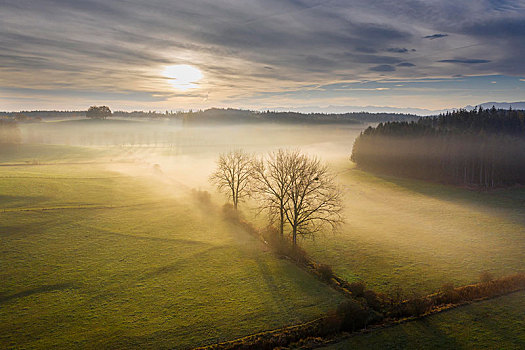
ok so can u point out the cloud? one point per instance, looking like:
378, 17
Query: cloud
465, 61
383, 68
366, 49
244, 48
406, 64
435, 36
397, 49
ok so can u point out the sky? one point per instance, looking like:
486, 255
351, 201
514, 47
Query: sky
260, 54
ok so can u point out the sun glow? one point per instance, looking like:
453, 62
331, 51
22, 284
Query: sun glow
183, 76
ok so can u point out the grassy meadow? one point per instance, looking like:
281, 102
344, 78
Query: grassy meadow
106, 246
418, 236
97, 258
490, 324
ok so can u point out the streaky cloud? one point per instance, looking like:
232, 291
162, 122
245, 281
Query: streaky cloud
435, 36
383, 68
465, 61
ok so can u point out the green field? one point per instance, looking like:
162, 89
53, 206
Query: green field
93, 258
417, 235
491, 324
100, 247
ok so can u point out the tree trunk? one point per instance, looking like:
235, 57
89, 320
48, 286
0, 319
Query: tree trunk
294, 235
234, 199
281, 223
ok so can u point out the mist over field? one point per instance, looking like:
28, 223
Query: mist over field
383, 212
93, 205
263, 174
188, 154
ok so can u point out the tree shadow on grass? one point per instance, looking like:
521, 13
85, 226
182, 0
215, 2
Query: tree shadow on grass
16, 229
109, 232
427, 336
419, 334
11, 201
512, 199
40, 289
180, 264
279, 296
503, 327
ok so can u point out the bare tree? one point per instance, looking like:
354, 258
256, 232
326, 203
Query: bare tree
272, 182
233, 173
314, 198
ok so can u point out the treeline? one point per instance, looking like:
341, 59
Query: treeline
40, 115
37, 115
482, 148
146, 114
235, 116
225, 116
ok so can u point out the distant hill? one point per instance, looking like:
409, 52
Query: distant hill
235, 116
312, 114
36, 115
400, 110
499, 105
335, 109
231, 116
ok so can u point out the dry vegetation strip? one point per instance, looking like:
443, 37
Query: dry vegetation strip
364, 307
165, 273
312, 333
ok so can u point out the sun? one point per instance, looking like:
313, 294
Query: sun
183, 76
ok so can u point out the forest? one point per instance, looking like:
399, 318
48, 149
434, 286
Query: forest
483, 148
223, 116
229, 115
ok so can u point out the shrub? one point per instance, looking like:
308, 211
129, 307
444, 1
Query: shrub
297, 253
357, 288
416, 306
447, 287
375, 317
283, 246
449, 294
200, 196
325, 272
331, 324
486, 277
397, 295
374, 300
270, 234
229, 213
353, 315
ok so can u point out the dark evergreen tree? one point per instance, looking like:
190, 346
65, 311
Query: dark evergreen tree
483, 148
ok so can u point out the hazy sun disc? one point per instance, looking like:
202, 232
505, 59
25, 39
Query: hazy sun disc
183, 76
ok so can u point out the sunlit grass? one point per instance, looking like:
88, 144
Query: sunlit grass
418, 236
116, 253
492, 324
153, 269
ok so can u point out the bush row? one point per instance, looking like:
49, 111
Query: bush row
488, 288
356, 313
281, 337
364, 306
